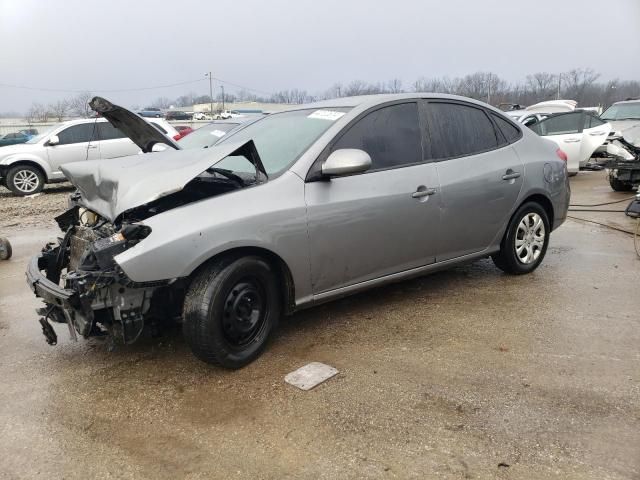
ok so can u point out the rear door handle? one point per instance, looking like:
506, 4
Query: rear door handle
423, 193
511, 176
571, 140
92, 146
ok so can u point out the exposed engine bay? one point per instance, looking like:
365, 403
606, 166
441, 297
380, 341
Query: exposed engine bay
82, 284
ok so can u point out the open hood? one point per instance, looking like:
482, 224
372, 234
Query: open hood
553, 106
141, 132
112, 187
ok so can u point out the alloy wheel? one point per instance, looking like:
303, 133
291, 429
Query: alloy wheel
26, 181
530, 238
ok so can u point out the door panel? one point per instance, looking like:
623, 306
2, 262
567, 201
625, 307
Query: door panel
366, 226
592, 138
565, 130
117, 148
476, 199
77, 143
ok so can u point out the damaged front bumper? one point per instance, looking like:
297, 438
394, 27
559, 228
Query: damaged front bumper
81, 285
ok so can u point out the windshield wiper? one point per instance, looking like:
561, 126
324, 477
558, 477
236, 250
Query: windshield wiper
228, 174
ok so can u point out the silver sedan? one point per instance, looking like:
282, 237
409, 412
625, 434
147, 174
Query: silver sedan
295, 209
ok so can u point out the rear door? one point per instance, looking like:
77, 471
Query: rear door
77, 143
565, 129
480, 174
379, 222
114, 143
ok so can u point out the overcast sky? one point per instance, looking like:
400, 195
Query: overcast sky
282, 44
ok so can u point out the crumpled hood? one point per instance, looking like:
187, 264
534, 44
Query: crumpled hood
111, 187
617, 125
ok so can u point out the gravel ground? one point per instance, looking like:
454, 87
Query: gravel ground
17, 213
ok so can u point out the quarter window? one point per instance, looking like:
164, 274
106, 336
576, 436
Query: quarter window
457, 130
390, 135
85, 132
591, 121
510, 131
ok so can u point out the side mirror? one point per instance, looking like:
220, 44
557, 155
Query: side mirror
345, 162
54, 140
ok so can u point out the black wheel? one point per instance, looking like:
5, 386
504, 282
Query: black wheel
525, 241
619, 186
230, 310
5, 249
25, 180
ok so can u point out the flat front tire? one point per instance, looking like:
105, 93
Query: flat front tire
232, 307
525, 242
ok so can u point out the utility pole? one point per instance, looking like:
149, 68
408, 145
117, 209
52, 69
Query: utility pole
489, 91
222, 88
210, 92
559, 81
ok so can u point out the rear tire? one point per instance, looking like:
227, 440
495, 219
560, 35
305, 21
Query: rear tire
525, 242
232, 307
619, 186
25, 180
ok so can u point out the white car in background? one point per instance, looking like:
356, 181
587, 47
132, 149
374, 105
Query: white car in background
577, 132
25, 168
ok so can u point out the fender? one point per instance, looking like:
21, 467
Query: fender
13, 159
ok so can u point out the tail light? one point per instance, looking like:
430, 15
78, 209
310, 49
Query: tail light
561, 155
178, 136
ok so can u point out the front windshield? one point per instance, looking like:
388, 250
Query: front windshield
281, 138
206, 135
622, 111
42, 135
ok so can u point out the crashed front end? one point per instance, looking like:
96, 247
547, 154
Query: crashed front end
82, 285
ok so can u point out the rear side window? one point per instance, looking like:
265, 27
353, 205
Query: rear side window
390, 135
109, 132
559, 125
458, 130
510, 131
82, 133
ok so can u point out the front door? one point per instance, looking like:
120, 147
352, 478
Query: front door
565, 130
77, 143
380, 222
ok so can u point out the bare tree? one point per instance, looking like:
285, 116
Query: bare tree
161, 102
79, 105
356, 87
577, 82
59, 109
542, 85
395, 86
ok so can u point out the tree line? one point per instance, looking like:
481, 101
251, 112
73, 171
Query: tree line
579, 84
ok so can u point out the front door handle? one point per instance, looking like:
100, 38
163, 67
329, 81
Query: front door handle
92, 146
596, 134
511, 175
571, 140
424, 192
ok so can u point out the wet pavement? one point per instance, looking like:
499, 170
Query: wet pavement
467, 373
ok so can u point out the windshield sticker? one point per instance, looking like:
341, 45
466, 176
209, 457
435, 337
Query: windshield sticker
326, 115
217, 133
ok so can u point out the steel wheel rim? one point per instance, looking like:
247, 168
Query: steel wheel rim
244, 313
530, 237
26, 181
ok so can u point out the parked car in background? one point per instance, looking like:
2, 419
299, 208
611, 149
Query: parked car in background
29, 132
151, 112
202, 116
295, 209
27, 167
13, 138
177, 115
208, 135
623, 115
578, 133
183, 130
